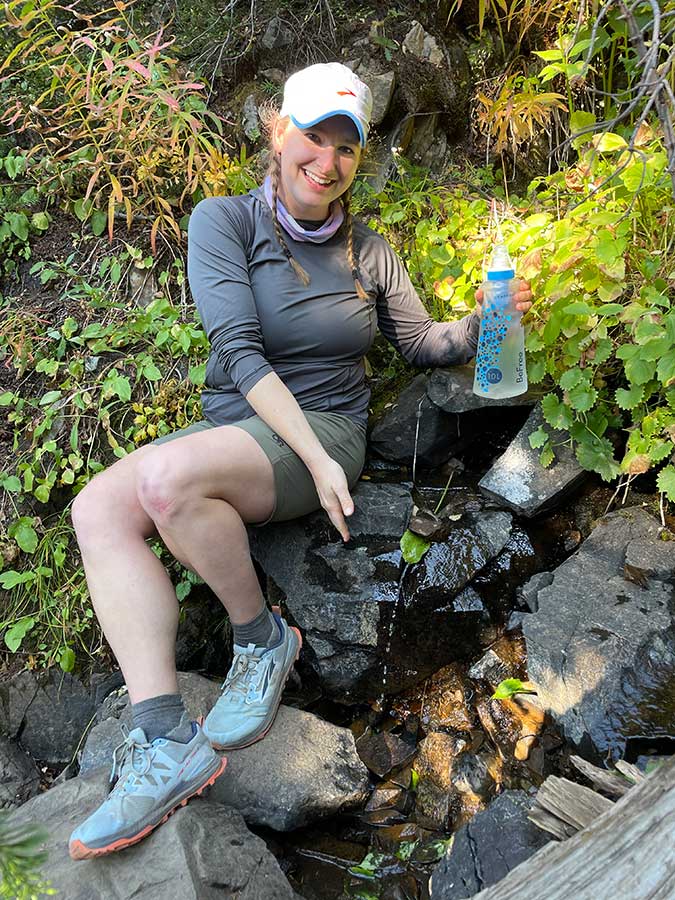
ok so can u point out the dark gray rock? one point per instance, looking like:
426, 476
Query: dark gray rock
528, 592
452, 391
19, 777
277, 35
203, 852
315, 772
487, 848
204, 639
305, 769
346, 598
48, 712
519, 481
601, 647
393, 435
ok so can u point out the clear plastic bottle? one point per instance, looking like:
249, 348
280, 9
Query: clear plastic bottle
500, 358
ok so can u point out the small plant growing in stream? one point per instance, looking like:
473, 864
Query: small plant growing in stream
512, 686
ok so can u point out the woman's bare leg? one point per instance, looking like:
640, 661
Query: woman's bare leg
132, 594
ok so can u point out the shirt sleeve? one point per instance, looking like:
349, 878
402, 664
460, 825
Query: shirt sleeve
221, 288
405, 323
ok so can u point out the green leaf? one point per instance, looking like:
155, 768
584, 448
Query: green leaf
571, 378
629, 399
510, 686
538, 438
197, 374
15, 635
49, 397
556, 413
42, 492
607, 142
597, 455
549, 55
67, 659
24, 534
666, 368
18, 223
639, 370
7, 398
665, 482
40, 221
369, 865
99, 220
151, 372
546, 456
583, 397
413, 547
11, 483
183, 588
11, 578
579, 308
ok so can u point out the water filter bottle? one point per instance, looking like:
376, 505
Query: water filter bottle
500, 358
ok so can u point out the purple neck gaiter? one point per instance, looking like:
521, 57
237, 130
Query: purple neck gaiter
297, 232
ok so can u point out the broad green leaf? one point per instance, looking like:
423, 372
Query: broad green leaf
556, 413
40, 221
549, 55
629, 399
24, 534
538, 438
546, 456
11, 483
666, 368
18, 223
579, 308
7, 398
369, 865
607, 142
665, 482
183, 588
597, 455
413, 547
571, 378
11, 578
197, 374
99, 220
639, 370
15, 635
583, 397
510, 686
49, 397
67, 659
151, 372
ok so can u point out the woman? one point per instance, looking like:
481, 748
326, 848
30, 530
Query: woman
290, 290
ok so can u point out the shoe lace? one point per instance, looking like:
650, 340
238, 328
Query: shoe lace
244, 675
132, 751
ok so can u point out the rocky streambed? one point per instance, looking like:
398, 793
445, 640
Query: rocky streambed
390, 761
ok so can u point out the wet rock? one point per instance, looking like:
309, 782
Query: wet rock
452, 391
487, 848
382, 751
519, 481
315, 772
515, 621
448, 567
441, 701
19, 777
513, 725
601, 649
505, 659
277, 35
473, 779
48, 712
435, 796
393, 435
203, 851
204, 641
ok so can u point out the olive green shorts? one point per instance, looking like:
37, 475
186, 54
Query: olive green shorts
342, 438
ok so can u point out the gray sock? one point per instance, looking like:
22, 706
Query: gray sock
262, 631
159, 716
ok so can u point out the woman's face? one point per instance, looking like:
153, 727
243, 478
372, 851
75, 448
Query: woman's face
318, 164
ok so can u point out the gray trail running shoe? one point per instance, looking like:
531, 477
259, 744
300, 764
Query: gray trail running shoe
252, 691
154, 780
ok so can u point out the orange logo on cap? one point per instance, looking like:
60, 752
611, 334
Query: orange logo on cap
344, 93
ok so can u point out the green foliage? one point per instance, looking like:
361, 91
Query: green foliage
413, 547
128, 134
510, 686
20, 860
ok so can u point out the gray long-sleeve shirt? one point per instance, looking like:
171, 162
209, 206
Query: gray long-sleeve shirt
260, 318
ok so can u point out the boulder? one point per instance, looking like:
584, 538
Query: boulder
601, 644
19, 777
364, 635
203, 851
277, 35
452, 391
519, 481
393, 435
48, 712
304, 769
487, 848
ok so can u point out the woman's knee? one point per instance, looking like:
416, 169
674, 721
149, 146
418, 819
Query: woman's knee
162, 485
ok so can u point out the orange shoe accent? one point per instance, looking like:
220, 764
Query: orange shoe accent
78, 850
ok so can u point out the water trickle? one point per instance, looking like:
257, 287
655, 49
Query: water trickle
395, 608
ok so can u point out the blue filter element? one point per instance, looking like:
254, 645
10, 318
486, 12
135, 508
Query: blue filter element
497, 318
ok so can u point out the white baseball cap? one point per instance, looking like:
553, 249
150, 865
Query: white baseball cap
327, 89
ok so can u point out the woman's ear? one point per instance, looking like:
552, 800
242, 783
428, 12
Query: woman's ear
278, 132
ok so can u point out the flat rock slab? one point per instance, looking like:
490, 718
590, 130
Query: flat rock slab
452, 391
487, 848
203, 852
518, 480
601, 647
304, 768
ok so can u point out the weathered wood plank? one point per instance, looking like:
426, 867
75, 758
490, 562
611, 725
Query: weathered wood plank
572, 803
602, 779
627, 853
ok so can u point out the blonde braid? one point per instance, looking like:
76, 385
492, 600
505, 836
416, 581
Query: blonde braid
275, 175
351, 259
